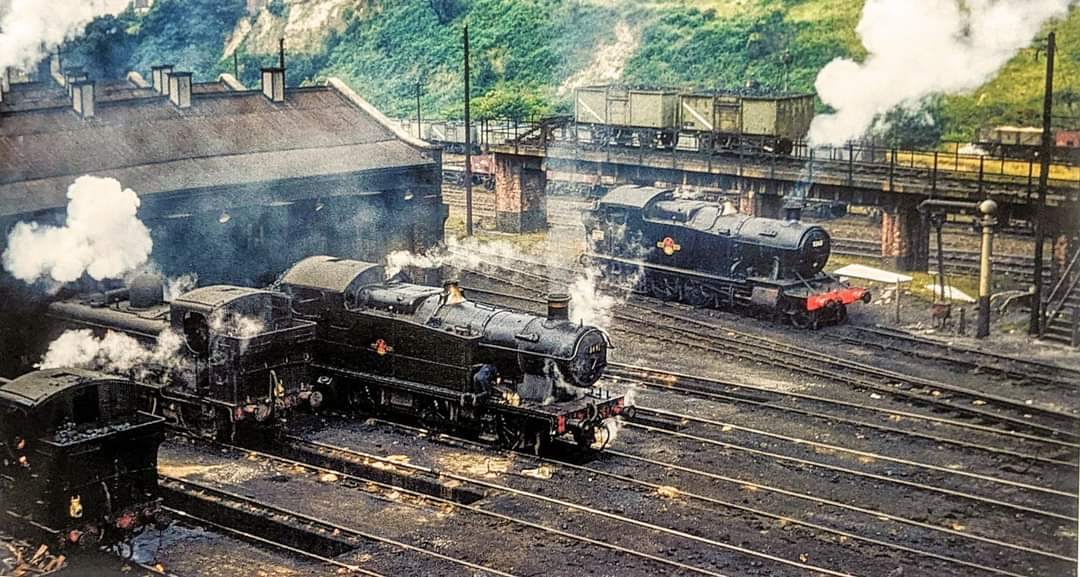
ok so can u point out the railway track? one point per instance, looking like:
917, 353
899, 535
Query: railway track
871, 416
481, 518
626, 469
1021, 371
1018, 415
1047, 422
962, 262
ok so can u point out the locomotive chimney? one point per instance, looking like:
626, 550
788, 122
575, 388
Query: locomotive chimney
453, 292
558, 307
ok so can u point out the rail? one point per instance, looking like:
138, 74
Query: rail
1058, 297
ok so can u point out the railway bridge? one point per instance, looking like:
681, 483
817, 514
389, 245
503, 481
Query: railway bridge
894, 180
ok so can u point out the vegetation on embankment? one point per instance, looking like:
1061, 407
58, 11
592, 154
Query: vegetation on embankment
524, 51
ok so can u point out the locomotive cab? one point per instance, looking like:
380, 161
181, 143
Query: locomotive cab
79, 454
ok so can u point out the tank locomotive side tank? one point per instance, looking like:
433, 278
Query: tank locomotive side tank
429, 352
226, 359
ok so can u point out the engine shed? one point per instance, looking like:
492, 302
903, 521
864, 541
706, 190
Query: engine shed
234, 184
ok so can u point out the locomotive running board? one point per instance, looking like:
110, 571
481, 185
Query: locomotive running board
690, 273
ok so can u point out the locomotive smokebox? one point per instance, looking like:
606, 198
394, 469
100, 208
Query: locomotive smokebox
146, 291
558, 307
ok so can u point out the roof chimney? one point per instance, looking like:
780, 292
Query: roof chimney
73, 75
180, 89
82, 97
160, 78
273, 84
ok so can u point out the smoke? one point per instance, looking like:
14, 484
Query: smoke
29, 29
920, 48
176, 286
114, 352
103, 237
593, 297
237, 326
588, 305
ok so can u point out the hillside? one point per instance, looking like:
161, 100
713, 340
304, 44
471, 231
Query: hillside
529, 54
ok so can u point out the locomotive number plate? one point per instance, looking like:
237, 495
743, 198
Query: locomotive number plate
818, 243
597, 234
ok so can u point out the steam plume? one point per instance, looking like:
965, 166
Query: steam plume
31, 28
103, 237
114, 353
919, 48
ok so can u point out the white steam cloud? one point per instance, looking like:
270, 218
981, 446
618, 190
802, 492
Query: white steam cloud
114, 352
102, 237
919, 48
29, 29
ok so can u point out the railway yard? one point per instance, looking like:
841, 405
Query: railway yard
601, 329
854, 451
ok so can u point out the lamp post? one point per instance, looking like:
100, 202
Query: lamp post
988, 210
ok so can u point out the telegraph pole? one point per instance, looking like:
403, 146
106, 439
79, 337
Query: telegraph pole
419, 134
1047, 151
468, 145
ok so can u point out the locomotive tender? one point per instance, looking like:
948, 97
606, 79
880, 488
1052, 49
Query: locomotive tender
429, 352
78, 456
714, 121
690, 251
242, 361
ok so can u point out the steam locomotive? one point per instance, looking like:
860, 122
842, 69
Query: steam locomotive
394, 346
78, 456
221, 360
229, 360
691, 251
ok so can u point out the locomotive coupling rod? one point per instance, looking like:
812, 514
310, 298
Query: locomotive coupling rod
987, 209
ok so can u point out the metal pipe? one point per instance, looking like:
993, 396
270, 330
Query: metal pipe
988, 208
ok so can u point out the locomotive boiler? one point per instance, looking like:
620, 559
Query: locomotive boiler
223, 359
691, 251
78, 456
430, 352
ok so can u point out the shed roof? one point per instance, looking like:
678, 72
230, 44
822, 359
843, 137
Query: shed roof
223, 139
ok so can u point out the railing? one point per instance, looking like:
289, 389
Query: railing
851, 164
1058, 297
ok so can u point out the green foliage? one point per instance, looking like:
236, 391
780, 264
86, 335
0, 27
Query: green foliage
106, 46
690, 47
189, 35
523, 50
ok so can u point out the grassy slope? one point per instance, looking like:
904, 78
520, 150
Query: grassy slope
523, 49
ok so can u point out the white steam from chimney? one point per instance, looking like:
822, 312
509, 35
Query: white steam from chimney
919, 48
29, 29
103, 237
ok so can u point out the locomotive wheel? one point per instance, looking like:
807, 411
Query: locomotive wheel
805, 320
698, 295
663, 288
510, 435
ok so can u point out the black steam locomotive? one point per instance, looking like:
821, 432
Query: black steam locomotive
428, 352
245, 358
223, 359
690, 251
78, 451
